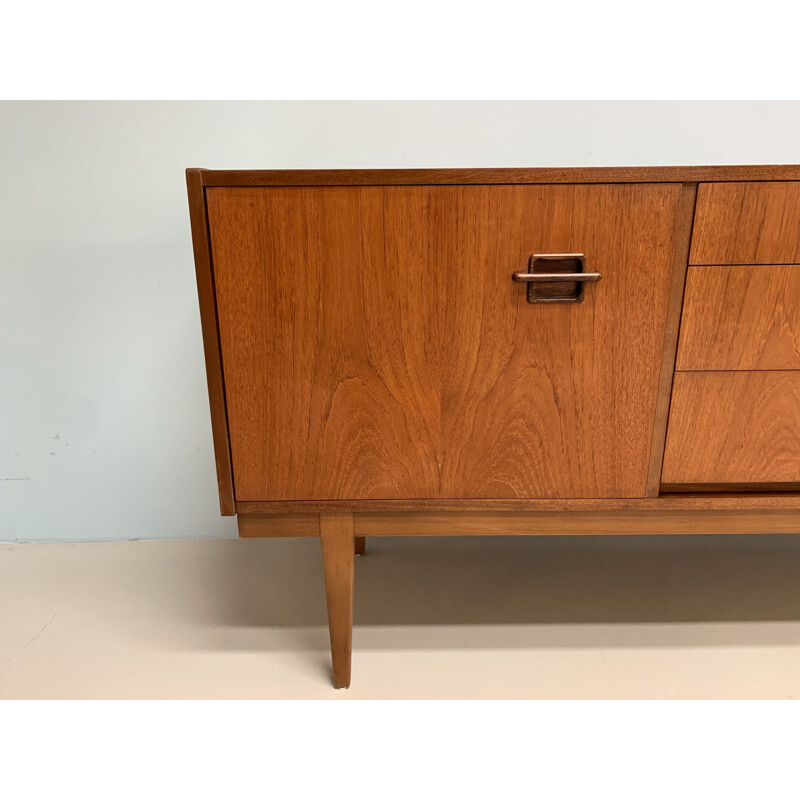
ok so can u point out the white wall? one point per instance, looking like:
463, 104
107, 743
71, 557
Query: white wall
104, 421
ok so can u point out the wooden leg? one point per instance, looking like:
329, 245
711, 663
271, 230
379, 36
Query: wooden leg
338, 547
361, 545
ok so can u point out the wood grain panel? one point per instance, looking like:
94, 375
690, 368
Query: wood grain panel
396, 177
688, 500
598, 523
375, 346
324, 341
734, 427
488, 523
278, 525
680, 257
741, 318
211, 348
554, 400
747, 223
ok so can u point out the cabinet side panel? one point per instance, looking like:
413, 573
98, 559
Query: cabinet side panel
211, 346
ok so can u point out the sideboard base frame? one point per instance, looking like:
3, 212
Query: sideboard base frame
528, 523
343, 534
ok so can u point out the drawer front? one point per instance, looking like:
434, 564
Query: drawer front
747, 223
740, 318
374, 344
734, 428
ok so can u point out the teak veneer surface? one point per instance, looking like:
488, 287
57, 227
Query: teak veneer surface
747, 223
375, 346
592, 523
505, 523
734, 427
741, 318
210, 330
676, 500
683, 233
386, 177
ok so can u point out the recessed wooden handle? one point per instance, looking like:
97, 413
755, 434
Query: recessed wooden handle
547, 270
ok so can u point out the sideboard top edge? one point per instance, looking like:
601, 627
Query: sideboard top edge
522, 175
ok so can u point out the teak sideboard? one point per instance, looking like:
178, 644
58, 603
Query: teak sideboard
500, 351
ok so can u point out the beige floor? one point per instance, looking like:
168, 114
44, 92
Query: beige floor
560, 617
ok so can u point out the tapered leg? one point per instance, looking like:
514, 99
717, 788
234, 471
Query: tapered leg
338, 547
361, 545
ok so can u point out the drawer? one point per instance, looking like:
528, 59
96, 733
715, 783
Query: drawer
747, 223
740, 318
734, 428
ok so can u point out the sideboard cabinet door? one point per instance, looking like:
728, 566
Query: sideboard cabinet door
374, 344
